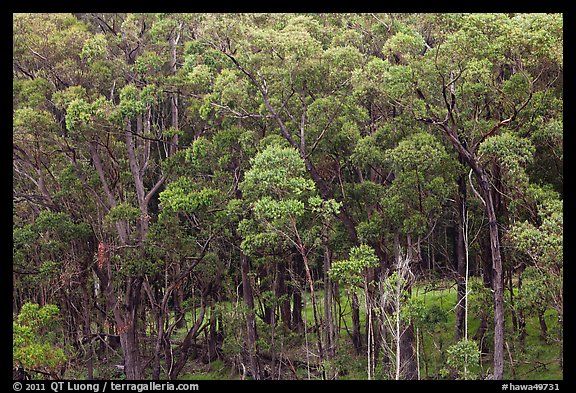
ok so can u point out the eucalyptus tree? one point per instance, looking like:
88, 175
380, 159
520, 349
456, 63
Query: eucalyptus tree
474, 77
135, 197
298, 83
284, 205
108, 118
542, 243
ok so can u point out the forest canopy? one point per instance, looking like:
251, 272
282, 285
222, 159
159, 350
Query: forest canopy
288, 196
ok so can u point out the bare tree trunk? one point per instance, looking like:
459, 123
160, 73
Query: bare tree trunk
86, 323
280, 292
124, 314
487, 196
543, 326
497, 281
251, 333
328, 318
314, 311
460, 258
521, 319
297, 322
212, 353
183, 351
407, 363
356, 337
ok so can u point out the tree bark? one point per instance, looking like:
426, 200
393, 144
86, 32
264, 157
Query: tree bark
297, 321
497, 279
124, 314
408, 366
460, 258
487, 194
328, 318
251, 333
356, 337
86, 331
314, 310
280, 292
212, 353
183, 351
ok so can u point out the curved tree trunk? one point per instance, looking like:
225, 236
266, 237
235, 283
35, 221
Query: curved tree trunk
488, 199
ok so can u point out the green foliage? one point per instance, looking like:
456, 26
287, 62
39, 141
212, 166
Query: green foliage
424, 180
182, 195
543, 244
510, 151
276, 172
403, 43
268, 209
362, 98
352, 271
130, 104
35, 121
123, 211
83, 113
422, 316
463, 357
33, 343
95, 48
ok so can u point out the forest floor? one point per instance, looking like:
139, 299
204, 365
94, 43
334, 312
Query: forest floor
538, 360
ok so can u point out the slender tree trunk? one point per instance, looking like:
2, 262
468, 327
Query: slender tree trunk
183, 351
356, 337
328, 318
280, 292
521, 319
460, 258
314, 311
408, 359
178, 299
212, 353
251, 334
297, 322
497, 281
543, 326
490, 208
86, 323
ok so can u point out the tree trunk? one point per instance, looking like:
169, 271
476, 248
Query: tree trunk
179, 314
460, 258
356, 337
543, 326
497, 280
297, 321
280, 292
408, 366
251, 333
212, 353
314, 311
124, 314
86, 331
329, 320
521, 319
183, 351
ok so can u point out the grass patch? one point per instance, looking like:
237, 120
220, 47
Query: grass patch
537, 360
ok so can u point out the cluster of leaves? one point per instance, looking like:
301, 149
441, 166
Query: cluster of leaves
34, 339
352, 271
463, 359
